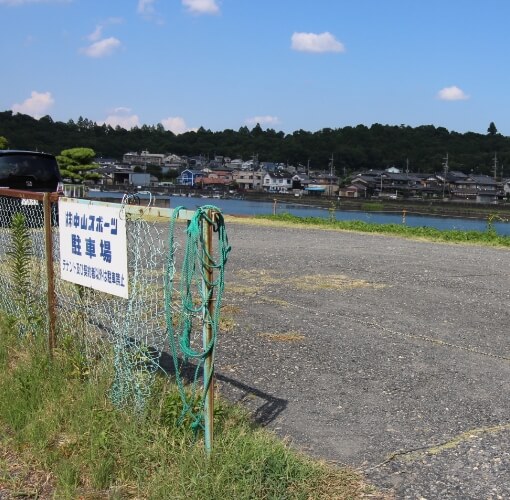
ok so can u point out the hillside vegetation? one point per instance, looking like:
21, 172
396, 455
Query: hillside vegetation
353, 148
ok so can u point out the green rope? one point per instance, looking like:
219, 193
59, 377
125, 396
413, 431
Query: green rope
191, 308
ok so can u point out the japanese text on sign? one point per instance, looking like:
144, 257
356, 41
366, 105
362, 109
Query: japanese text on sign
93, 249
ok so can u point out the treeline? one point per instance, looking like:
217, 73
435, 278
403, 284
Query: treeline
357, 148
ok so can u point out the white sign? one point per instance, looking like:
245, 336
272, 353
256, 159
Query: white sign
93, 250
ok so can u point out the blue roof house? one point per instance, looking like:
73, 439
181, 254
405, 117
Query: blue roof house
189, 177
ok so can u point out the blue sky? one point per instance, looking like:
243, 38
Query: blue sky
286, 64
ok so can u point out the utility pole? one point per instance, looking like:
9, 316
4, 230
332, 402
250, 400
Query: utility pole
254, 159
495, 165
331, 175
445, 165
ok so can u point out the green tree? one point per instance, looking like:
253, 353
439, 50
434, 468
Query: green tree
3, 142
492, 130
76, 164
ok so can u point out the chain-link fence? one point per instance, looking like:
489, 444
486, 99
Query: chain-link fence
128, 333
23, 252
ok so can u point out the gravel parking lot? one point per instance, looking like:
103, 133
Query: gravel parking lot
388, 355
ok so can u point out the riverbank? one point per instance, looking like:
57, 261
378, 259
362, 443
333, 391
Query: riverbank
427, 207
432, 207
489, 237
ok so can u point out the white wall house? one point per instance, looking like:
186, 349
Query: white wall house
278, 182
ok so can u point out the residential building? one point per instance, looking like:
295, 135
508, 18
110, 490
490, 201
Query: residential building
216, 179
277, 182
144, 158
190, 177
248, 180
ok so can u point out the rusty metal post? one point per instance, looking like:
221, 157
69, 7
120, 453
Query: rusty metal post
207, 233
50, 275
275, 201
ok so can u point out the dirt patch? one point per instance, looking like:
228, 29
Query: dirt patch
20, 477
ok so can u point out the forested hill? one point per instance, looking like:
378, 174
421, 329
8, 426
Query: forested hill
353, 148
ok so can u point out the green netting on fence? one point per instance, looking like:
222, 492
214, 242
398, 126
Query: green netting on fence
193, 311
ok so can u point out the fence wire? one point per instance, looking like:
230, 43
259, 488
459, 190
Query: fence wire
34, 284
128, 336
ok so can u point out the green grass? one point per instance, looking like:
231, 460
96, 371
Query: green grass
62, 421
489, 237
376, 206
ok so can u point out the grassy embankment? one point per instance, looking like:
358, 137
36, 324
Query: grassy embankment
488, 237
61, 437
423, 207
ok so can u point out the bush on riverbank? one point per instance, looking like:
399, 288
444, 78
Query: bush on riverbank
58, 419
489, 237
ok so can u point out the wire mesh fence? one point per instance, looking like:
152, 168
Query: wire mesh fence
128, 334
23, 276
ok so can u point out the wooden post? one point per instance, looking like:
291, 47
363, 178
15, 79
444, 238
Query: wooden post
207, 232
50, 275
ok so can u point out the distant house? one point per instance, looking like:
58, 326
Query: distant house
361, 186
215, 179
189, 177
111, 175
300, 181
144, 158
236, 163
277, 182
326, 183
481, 188
357, 190
173, 163
248, 179
393, 170
454, 184
389, 184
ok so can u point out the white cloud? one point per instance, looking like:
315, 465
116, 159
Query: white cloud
262, 120
123, 118
102, 48
36, 105
121, 110
313, 42
146, 7
177, 125
201, 6
98, 31
15, 3
452, 93
96, 34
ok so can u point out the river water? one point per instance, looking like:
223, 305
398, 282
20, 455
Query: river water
249, 207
